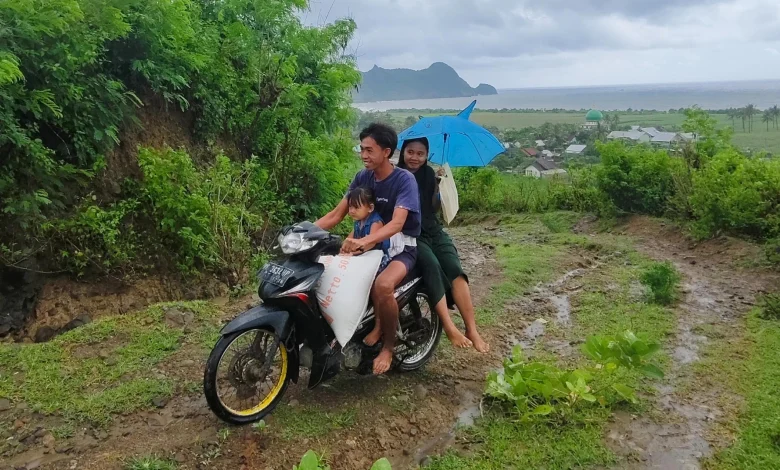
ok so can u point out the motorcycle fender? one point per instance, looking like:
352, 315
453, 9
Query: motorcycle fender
277, 320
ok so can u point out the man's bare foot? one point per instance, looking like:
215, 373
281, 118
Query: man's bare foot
479, 344
457, 338
383, 361
372, 338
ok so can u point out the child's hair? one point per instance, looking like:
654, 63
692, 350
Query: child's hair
360, 197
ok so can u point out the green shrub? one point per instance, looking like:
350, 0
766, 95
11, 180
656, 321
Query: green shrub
737, 194
663, 281
96, 239
770, 307
772, 250
636, 178
538, 390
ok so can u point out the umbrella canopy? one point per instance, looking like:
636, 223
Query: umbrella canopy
455, 139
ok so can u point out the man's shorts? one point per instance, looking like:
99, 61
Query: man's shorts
408, 258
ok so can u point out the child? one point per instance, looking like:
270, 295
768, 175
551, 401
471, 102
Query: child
361, 203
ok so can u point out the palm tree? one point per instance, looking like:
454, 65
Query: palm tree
732, 114
615, 121
775, 113
750, 111
743, 116
767, 117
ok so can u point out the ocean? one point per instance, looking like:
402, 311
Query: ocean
661, 97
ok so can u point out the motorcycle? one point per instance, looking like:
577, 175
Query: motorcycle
262, 350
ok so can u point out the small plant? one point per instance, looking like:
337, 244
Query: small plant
663, 280
150, 463
770, 307
541, 390
223, 434
311, 461
260, 426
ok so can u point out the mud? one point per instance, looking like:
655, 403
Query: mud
717, 290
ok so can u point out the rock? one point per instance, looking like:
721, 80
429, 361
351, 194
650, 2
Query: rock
100, 435
293, 403
420, 392
18, 424
180, 458
80, 320
63, 448
110, 361
187, 363
48, 441
41, 432
413, 432
351, 443
159, 402
103, 354
5, 404
44, 334
175, 318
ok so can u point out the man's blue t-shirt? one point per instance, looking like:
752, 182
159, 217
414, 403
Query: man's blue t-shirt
399, 189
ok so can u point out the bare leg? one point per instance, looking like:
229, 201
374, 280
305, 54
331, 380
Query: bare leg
453, 333
462, 296
386, 309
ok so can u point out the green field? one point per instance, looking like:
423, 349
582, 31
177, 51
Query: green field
757, 140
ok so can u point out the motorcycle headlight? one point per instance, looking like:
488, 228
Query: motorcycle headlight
293, 242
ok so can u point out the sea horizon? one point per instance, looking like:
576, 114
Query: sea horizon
658, 96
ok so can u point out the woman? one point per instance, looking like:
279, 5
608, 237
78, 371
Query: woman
437, 257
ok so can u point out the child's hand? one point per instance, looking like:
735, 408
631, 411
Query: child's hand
353, 246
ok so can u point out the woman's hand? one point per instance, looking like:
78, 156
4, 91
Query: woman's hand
440, 172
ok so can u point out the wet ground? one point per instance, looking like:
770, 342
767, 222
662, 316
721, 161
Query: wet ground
411, 417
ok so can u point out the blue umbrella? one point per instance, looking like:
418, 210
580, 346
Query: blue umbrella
455, 139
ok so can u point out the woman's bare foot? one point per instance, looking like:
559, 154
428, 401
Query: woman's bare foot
372, 338
383, 361
479, 344
457, 338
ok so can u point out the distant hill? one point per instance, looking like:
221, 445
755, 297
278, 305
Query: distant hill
437, 81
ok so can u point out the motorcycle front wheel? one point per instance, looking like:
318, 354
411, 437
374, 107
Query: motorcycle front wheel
246, 375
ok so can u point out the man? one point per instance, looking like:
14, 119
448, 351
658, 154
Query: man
398, 204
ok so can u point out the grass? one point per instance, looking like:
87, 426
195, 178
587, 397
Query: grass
747, 361
532, 252
310, 421
150, 463
663, 280
101, 369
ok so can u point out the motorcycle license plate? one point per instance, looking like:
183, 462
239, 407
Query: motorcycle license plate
275, 274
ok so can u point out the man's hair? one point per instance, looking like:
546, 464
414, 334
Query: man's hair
383, 134
361, 196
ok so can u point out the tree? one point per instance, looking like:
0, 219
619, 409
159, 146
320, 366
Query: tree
775, 113
732, 114
750, 111
767, 118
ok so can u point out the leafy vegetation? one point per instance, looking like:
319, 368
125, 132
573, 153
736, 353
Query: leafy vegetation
770, 307
150, 463
539, 390
709, 185
248, 76
312, 461
663, 281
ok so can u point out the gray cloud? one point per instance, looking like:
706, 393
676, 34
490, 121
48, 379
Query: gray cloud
493, 36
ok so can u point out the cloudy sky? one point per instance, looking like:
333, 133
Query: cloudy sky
531, 43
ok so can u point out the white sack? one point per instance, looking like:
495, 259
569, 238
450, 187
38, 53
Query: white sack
343, 290
449, 195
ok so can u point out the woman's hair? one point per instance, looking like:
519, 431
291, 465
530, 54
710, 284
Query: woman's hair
360, 197
422, 140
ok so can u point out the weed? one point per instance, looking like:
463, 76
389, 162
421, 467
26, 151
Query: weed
64, 431
770, 307
663, 280
223, 434
150, 463
260, 426
543, 391
312, 461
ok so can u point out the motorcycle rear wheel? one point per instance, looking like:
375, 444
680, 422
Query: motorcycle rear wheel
261, 363
425, 335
